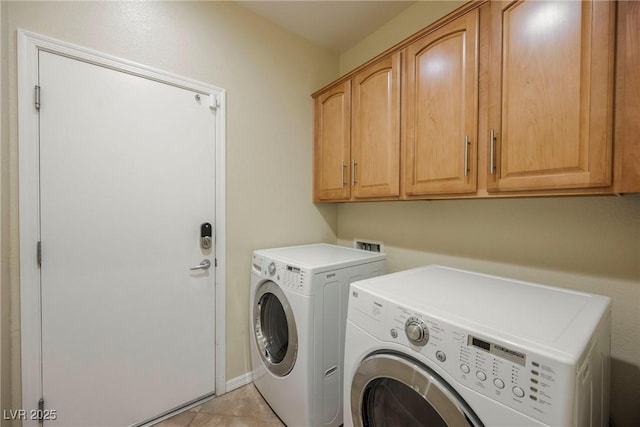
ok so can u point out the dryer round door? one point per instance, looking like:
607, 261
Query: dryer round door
390, 389
274, 329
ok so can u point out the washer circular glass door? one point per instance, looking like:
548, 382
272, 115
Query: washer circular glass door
274, 329
389, 389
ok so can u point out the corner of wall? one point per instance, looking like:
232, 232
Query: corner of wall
408, 22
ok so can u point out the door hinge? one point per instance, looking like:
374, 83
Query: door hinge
37, 97
215, 262
40, 415
214, 101
39, 253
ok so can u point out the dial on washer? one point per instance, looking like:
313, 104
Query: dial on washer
272, 269
416, 331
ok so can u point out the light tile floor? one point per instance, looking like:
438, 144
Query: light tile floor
243, 407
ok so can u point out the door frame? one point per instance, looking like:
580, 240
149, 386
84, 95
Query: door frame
29, 44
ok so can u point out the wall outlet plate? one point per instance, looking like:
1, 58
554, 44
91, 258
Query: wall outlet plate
368, 245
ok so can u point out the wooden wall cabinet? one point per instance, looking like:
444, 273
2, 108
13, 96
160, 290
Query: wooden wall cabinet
375, 132
551, 75
627, 108
357, 135
440, 110
499, 99
332, 143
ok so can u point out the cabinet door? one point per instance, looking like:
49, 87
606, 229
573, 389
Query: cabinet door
440, 100
375, 144
627, 114
332, 139
551, 81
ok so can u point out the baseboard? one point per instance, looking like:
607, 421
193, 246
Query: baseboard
238, 382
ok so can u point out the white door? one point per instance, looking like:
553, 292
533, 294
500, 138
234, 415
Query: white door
126, 180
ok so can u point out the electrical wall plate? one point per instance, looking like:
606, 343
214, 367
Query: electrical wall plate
368, 245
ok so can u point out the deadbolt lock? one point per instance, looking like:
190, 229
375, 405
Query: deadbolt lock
206, 233
205, 242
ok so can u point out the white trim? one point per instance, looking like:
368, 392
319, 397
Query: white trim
239, 381
28, 46
29, 225
221, 243
2, 96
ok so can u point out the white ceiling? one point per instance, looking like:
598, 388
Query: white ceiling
336, 25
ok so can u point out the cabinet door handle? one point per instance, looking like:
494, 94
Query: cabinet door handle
344, 165
466, 155
353, 173
492, 152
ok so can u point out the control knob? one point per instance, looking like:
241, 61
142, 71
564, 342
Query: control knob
272, 269
416, 331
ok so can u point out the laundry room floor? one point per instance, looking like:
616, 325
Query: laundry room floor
243, 407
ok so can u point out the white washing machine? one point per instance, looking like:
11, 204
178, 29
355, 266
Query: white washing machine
298, 310
435, 346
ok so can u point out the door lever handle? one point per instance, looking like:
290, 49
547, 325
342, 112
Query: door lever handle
204, 265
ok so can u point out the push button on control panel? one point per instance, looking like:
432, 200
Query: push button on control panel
498, 383
518, 392
481, 375
465, 368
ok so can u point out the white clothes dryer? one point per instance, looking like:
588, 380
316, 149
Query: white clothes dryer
435, 346
298, 310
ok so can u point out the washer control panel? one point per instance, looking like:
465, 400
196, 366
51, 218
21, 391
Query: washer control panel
288, 276
293, 278
530, 383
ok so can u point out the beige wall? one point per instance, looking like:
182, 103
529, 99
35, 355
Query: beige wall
585, 243
410, 20
269, 75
